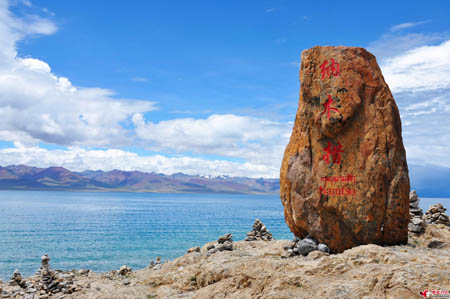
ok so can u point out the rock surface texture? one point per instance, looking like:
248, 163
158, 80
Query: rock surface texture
344, 178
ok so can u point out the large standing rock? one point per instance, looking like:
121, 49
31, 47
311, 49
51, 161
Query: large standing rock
344, 178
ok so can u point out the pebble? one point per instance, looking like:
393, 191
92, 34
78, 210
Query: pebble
193, 249
436, 244
157, 267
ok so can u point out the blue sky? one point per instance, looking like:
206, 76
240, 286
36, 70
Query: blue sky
202, 87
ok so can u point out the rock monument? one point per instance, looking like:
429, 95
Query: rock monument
344, 178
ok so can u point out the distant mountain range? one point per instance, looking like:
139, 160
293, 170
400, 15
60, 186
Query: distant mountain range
21, 177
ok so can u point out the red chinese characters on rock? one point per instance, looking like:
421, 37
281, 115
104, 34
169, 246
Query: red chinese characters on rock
327, 107
334, 151
329, 70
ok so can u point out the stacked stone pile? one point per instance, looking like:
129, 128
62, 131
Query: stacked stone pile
224, 243
156, 265
304, 247
436, 215
259, 232
17, 280
125, 270
416, 223
43, 284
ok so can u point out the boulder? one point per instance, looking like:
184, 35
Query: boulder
344, 177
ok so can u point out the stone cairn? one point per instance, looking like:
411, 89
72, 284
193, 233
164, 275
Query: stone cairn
259, 232
125, 270
416, 223
224, 243
304, 247
436, 215
43, 284
156, 265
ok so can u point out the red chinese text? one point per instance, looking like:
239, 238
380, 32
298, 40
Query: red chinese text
329, 70
333, 151
327, 107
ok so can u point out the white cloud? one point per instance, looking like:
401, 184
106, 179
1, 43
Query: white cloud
37, 105
402, 26
393, 44
419, 69
426, 123
256, 140
419, 78
78, 159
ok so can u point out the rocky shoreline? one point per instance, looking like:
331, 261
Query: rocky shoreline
261, 267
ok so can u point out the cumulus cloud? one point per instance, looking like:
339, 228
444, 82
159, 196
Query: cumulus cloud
425, 120
420, 81
393, 44
419, 69
256, 140
37, 105
79, 159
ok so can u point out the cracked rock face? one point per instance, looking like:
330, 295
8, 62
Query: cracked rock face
344, 178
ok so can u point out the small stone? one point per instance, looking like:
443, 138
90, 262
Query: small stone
227, 246
224, 238
415, 228
323, 248
436, 244
126, 282
305, 246
193, 249
45, 259
209, 247
417, 221
157, 267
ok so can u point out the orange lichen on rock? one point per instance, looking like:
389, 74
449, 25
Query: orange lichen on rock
347, 124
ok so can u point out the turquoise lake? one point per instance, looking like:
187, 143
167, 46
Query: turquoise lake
103, 231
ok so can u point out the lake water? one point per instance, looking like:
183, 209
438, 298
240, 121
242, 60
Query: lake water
103, 231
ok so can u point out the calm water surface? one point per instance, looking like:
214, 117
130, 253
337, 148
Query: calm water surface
102, 231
